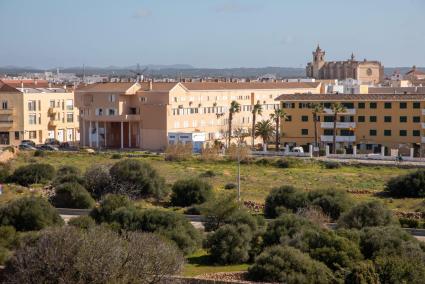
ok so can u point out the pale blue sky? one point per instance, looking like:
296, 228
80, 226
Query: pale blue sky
209, 33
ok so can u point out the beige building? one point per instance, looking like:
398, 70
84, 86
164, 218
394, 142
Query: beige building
31, 112
150, 115
369, 72
370, 121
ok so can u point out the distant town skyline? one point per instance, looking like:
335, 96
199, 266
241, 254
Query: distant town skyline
209, 34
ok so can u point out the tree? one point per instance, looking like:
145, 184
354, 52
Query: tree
230, 244
235, 107
316, 110
410, 185
278, 115
97, 255
333, 202
366, 214
72, 195
264, 129
187, 192
217, 210
97, 180
285, 264
136, 179
257, 109
284, 197
33, 173
336, 108
29, 214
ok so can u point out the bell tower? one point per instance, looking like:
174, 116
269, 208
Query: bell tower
318, 61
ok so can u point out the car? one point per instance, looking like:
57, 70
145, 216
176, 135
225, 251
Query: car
298, 150
25, 146
52, 141
48, 148
28, 142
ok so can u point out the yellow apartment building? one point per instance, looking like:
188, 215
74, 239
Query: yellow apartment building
150, 115
32, 113
370, 121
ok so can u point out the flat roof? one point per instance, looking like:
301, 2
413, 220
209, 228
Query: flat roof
351, 97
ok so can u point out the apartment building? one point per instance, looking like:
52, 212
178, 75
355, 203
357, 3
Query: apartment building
395, 121
150, 115
31, 112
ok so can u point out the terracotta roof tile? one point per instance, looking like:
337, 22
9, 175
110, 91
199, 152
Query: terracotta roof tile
106, 87
199, 86
7, 88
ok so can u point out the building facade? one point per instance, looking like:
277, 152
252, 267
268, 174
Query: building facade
368, 72
143, 115
395, 121
33, 113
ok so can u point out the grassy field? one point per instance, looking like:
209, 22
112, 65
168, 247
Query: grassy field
256, 180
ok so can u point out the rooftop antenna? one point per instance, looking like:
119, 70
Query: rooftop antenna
139, 73
84, 73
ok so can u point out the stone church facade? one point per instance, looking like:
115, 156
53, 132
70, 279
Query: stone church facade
368, 72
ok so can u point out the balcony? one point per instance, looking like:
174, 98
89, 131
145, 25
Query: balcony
338, 125
347, 111
112, 118
8, 111
329, 138
6, 123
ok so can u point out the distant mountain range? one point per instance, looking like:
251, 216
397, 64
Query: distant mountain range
182, 70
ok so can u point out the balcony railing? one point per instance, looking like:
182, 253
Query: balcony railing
338, 125
347, 111
6, 111
329, 138
6, 123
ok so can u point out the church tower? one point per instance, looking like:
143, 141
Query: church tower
318, 61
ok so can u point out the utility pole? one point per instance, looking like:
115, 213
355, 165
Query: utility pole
239, 172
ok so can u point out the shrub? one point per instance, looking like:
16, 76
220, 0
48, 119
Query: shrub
230, 185
72, 195
68, 170
191, 191
207, 174
4, 172
332, 202
108, 205
367, 214
29, 214
288, 162
410, 185
217, 210
178, 152
409, 223
39, 153
230, 244
331, 165
285, 196
288, 265
137, 179
82, 222
264, 162
362, 273
400, 269
243, 217
33, 173
235, 153
97, 180
116, 156
210, 153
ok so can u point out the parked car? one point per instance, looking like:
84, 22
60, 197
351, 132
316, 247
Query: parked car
52, 141
28, 142
26, 147
65, 146
48, 148
298, 150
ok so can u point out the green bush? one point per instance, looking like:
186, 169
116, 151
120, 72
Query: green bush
97, 180
82, 222
8, 237
190, 191
230, 244
68, 170
108, 205
39, 153
4, 172
263, 162
363, 272
217, 210
116, 156
331, 165
400, 268
33, 173
366, 214
409, 223
288, 265
207, 174
285, 196
137, 179
288, 162
72, 195
230, 185
332, 202
410, 185
29, 214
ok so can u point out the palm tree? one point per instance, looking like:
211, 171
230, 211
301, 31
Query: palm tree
276, 117
256, 109
316, 109
235, 107
336, 108
265, 130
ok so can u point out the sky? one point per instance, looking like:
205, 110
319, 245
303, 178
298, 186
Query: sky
209, 33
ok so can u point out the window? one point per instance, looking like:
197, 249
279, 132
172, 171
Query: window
32, 119
16, 135
69, 104
416, 105
416, 133
52, 103
372, 105
403, 105
403, 132
32, 134
372, 118
387, 105
387, 132
304, 131
348, 105
403, 118
387, 118
372, 132
69, 117
288, 105
142, 99
112, 98
416, 119
111, 111
4, 105
304, 118
361, 105
361, 118
328, 132
328, 118
289, 118
32, 105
